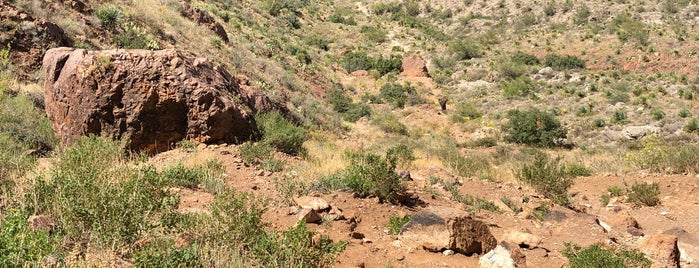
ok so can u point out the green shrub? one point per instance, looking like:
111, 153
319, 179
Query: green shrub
401, 154
275, 7
396, 94
684, 113
598, 123
627, 28
22, 247
343, 104
162, 253
508, 202
374, 34
521, 86
692, 126
548, 177
465, 111
394, 63
582, 15
109, 15
539, 213
511, 70
389, 123
619, 117
524, 58
564, 62
577, 170
486, 142
395, 224
615, 190
182, 176
356, 60
645, 194
280, 133
465, 49
597, 256
133, 36
91, 196
28, 126
14, 161
448, 152
657, 114
254, 153
658, 156
533, 127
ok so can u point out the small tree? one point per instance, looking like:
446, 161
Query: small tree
534, 127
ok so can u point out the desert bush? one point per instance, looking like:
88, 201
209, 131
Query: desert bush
22, 247
254, 153
564, 62
280, 133
521, 86
577, 170
395, 223
396, 94
374, 34
163, 253
661, 156
447, 151
644, 194
627, 28
598, 256
275, 7
533, 127
91, 196
692, 126
465, 111
389, 123
508, 202
485, 142
402, 154
619, 116
657, 114
182, 176
20, 120
512, 70
343, 104
684, 113
109, 15
465, 49
386, 7
132, 36
615, 190
582, 15
548, 177
394, 63
524, 58
356, 60
14, 161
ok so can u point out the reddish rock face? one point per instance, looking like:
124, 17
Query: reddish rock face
153, 98
414, 66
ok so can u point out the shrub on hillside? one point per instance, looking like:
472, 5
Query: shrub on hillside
20, 246
534, 127
396, 94
598, 256
521, 86
109, 15
548, 177
564, 62
465, 49
663, 156
23, 122
356, 60
524, 58
465, 111
645, 194
389, 123
281, 133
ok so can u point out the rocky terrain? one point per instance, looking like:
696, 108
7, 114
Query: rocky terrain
349, 133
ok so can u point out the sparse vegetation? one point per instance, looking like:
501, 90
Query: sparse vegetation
280, 133
548, 177
598, 256
534, 127
645, 194
395, 224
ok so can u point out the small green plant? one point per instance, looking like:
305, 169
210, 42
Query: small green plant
534, 127
133, 36
389, 123
657, 114
374, 34
186, 145
684, 113
692, 126
395, 224
564, 62
599, 123
474, 202
521, 86
615, 190
109, 15
619, 117
396, 94
465, 111
577, 170
162, 253
343, 104
645, 194
20, 246
447, 151
598, 256
548, 177
524, 58
485, 142
604, 199
539, 213
508, 202
465, 49
280, 133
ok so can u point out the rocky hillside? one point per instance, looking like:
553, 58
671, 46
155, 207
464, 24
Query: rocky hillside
300, 133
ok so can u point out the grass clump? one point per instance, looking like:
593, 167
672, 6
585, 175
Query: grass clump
22, 247
465, 111
468, 200
395, 224
447, 151
521, 86
564, 62
109, 15
598, 256
25, 124
645, 194
280, 133
534, 127
465, 49
397, 94
548, 177
665, 157
389, 123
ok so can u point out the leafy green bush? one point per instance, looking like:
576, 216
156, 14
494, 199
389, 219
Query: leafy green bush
465, 111
133, 36
564, 62
548, 177
22, 247
619, 116
395, 224
615, 190
280, 133
524, 58
253, 153
657, 114
533, 127
521, 86
374, 34
389, 123
692, 126
645, 194
162, 253
394, 63
109, 15
91, 196
486, 142
627, 27
275, 7
577, 170
465, 49
180, 175
343, 104
597, 256
396, 94
356, 60
14, 161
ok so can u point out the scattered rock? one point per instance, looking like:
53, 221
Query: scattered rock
663, 249
634, 231
504, 255
414, 66
501, 205
202, 17
523, 239
637, 132
155, 98
41, 222
405, 175
315, 203
546, 72
448, 252
440, 228
336, 214
308, 215
357, 235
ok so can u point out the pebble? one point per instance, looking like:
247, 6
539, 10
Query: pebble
448, 252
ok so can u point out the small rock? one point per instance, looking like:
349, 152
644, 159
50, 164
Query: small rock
400, 257
396, 243
663, 249
503, 256
366, 241
448, 252
41, 222
634, 231
225, 152
314, 203
357, 235
523, 239
308, 215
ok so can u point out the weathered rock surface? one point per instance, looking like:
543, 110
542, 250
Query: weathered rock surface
440, 228
505, 255
28, 38
414, 66
663, 249
202, 17
637, 132
311, 202
523, 239
153, 98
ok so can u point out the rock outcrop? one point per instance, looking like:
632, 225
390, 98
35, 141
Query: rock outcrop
28, 38
202, 17
663, 249
153, 98
442, 228
414, 66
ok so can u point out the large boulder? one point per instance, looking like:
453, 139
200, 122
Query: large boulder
663, 249
152, 98
414, 66
443, 228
